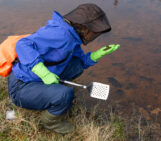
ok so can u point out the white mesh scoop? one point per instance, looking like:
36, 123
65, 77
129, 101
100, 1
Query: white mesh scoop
97, 90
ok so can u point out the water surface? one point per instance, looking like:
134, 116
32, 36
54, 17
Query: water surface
133, 72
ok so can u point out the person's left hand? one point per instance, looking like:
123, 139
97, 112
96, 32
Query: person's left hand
95, 56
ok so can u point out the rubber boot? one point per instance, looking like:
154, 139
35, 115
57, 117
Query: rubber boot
56, 123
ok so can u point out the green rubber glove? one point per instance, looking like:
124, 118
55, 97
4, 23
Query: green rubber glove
47, 77
95, 56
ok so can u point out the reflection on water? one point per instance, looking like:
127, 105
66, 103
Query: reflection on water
133, 71
116, 2
135, 39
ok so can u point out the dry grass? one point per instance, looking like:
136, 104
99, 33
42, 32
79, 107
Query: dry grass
3, 84
90, 125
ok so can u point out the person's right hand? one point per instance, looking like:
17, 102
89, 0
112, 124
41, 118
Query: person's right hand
50, 78
46, 76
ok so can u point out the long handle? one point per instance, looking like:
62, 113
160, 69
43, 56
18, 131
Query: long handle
72, 83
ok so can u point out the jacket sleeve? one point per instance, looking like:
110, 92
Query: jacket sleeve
27, 53
86, 59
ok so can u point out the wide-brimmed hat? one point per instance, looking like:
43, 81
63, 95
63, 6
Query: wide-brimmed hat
91, 16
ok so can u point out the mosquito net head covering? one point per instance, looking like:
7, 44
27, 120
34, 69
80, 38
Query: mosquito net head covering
91, 16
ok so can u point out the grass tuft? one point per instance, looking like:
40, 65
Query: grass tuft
90, 126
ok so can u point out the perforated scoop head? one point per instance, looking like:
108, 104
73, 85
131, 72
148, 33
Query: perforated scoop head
99, 90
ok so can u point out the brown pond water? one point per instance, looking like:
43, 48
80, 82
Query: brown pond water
133, 72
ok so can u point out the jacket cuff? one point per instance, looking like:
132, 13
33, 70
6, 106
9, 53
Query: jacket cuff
89, 61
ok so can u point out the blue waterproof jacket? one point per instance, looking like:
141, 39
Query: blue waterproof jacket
53, 42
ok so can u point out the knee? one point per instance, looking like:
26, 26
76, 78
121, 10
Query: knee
63, 103
68, 96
